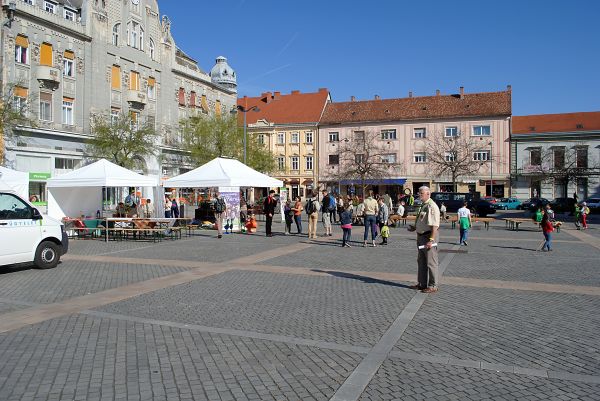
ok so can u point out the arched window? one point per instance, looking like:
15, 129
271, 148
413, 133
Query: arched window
116, 32
151, 48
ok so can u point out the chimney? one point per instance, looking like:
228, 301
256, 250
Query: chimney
323, 90
410, 94
437, 92
295, 92
277, 96
462, 91
509, 88
377, 97
352, 98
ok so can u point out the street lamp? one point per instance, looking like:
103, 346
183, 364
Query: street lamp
246, 109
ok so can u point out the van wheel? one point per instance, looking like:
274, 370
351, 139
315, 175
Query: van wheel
47, 255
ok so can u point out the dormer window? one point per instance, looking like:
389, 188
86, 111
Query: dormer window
70, 14
50, 6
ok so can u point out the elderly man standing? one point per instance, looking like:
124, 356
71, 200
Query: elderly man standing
427, 224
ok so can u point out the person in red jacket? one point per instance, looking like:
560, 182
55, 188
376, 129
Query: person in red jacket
547, 228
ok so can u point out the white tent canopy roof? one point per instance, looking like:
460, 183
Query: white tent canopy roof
17, 181
101, 174
222, 172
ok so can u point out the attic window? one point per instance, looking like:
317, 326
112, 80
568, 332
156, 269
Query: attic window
353, 112
579, 126
387, 111
532, 128
424, 108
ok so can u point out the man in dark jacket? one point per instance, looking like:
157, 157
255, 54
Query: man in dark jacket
269, 210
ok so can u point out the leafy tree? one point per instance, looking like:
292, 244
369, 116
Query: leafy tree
362, 158
453, 157
121, 139
220, 136
13, 112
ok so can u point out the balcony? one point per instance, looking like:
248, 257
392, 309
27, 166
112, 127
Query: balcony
48, 77
137, 98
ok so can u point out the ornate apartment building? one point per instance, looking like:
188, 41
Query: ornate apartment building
287, 125
71, 59
403, 128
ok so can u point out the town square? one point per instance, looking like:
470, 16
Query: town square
265, 200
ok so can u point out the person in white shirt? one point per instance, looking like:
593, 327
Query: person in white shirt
401, 209
464, 223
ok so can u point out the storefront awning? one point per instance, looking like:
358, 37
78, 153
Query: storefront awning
383, 181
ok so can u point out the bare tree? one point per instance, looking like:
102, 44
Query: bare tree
562, 164
363, 158
14, 110
455, 156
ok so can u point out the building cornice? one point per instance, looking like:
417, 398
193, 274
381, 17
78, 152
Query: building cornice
50, 132
555, 135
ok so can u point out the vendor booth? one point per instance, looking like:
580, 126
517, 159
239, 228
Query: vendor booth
79, 193
16, 181
228, 175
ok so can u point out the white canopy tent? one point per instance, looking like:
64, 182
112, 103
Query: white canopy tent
17, 181
79, 192
222, 172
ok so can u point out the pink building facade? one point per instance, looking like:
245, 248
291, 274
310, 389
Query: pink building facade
403, 126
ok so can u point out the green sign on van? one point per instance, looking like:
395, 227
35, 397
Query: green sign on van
39, 176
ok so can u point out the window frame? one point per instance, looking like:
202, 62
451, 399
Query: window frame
475, 128
116, 34
385, 160
294, 163
14, 201
295, 137
456, 134
449, 156
307, 135
419, 157
68, 67
151, 88
333, 136
537, 151
481, 155
67, 10
281, 163
114, 115
68, 112
260, 139
43, 102
50, 5
385, 134
21, 51
422, 131
336, 158
281, 138
309, 163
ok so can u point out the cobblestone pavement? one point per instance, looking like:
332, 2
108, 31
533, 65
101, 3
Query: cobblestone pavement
285, 318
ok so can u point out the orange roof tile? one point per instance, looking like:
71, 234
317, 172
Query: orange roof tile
565, 122
276, 108
418, 108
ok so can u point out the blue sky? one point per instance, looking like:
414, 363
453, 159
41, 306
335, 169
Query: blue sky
549, 51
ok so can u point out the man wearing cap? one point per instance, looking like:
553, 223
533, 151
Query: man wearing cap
427, 224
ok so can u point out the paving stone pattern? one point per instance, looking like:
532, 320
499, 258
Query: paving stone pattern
75, 278
557, 332
88, 358
411, 380
341, 310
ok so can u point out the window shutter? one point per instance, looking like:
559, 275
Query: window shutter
181, 97
193, 99
46, 97
204, 103
218, 108
69, 55
116, 77
151, 81
21, 92
134, 80
22, 41
68, 99
46, 54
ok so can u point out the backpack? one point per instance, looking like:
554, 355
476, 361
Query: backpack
310, 207
331, 207
220, 205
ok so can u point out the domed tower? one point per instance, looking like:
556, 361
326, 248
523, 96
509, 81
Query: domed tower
222, 74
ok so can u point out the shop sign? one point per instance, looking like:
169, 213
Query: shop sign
39, 176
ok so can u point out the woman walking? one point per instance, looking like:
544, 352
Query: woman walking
297, 209
346, 223
370, 218
547, 228
289, 216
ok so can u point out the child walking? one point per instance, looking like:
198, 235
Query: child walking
346, 222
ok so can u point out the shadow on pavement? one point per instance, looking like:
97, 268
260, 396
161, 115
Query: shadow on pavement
364, 279
513, 247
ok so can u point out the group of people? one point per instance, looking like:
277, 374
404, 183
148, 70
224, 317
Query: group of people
374, 212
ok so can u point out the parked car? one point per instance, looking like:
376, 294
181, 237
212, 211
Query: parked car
508, 204
593, 204
490, 199
454, 201
27, 236
561, 205
533, 203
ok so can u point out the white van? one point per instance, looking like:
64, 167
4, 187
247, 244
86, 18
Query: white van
27, 236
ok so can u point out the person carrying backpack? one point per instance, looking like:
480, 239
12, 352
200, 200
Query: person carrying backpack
220, 208
312, 208
327, 212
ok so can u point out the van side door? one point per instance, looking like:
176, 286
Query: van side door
19, 232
